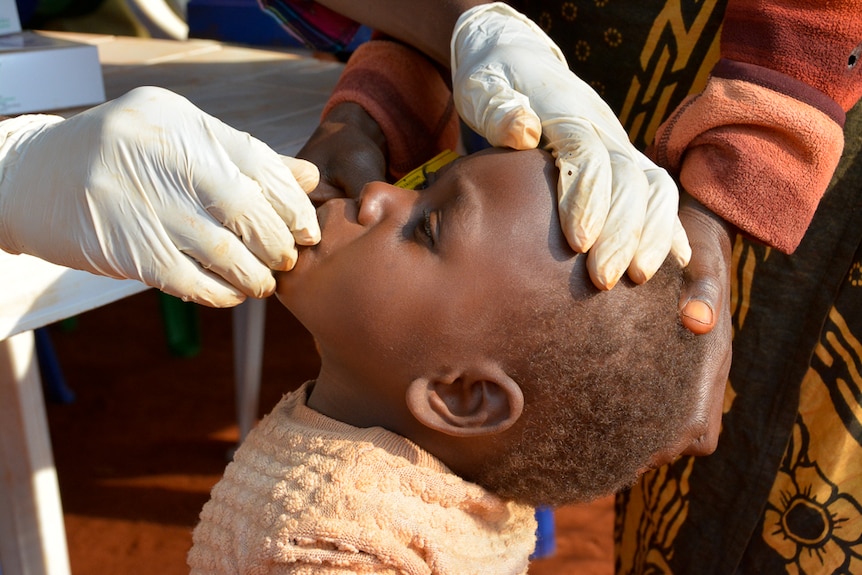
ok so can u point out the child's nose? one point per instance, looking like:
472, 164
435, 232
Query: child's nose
379, 200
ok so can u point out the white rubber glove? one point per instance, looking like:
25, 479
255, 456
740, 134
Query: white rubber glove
149, 187
512, 85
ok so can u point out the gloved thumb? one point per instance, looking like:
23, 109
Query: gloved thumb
307, 175
494, 109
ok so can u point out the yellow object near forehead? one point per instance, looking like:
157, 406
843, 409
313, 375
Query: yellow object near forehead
419, 176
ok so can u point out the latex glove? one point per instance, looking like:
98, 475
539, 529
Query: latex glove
149, 187
512, 85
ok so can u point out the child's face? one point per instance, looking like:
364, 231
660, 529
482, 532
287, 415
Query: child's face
403, 277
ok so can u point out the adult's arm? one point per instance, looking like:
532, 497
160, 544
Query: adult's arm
759, 145
424, 24
758, 148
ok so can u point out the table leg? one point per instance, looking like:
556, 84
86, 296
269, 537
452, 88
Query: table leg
32, 534
249, 319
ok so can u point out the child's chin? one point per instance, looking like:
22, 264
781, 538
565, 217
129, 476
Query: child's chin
284, 286
287, 282
303, 260
284, 280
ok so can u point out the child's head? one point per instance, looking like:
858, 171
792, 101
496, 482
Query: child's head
458, 317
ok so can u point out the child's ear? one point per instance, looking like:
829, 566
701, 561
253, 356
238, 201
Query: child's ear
484, 402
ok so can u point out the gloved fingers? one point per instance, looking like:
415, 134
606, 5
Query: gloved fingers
621, 234
221, 253
491, 106
185, 279
303, 224
662, 183
237, 202
255, 195
680, 247
276, 182
584, 188
174, 264
661, 226
304, 172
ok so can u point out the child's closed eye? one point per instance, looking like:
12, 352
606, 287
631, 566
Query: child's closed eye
425, 231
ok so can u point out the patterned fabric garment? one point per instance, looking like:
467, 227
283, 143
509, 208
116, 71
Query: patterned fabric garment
318, 27
642, 57
783, 492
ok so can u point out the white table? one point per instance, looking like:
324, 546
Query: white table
275, 95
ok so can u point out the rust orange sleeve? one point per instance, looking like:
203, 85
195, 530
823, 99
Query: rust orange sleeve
760, 143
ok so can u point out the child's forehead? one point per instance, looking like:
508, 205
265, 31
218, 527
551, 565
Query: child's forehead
529, 177
530, 173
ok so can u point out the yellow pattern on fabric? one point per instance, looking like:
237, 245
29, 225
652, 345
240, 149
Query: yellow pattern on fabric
817, 480
656, 508
659, 61
812, 519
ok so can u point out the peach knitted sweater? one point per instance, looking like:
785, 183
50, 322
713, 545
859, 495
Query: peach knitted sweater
308, 494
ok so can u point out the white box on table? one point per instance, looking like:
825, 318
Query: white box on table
10, 23
40, 73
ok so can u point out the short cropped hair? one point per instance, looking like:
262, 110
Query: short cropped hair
607, 382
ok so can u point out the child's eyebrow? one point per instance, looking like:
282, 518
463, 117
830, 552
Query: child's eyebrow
457, 211
433, 175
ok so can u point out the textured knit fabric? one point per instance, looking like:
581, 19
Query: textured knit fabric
406, 95
737, 137
308, 494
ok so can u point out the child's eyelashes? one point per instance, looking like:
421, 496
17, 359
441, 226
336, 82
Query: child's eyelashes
426, 221
424, 229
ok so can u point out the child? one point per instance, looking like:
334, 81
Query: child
469, 371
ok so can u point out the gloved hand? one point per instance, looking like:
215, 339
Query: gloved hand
512, 85
149, 187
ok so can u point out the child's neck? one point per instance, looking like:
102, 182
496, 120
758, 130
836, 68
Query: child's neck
342, 397
360, 404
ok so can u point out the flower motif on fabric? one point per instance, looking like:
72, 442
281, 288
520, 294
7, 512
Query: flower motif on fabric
613, 37
545, 22
811, 524
599, 88
855, 275
569, 11
582, 51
